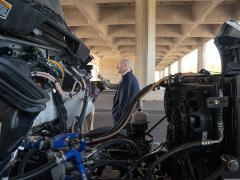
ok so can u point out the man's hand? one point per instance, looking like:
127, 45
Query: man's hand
100, 76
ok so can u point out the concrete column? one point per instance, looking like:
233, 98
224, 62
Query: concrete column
140, 14
151, 43
160, 74
169, 69
145, 41
179, 65
201, 57
166, 71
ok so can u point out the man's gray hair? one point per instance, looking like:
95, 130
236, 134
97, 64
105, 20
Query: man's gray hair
127, 62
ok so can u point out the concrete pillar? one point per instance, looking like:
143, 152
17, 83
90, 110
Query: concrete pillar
169, 69
140, 14
201, 57
160, 74
145, 41
166, 71
180, 65
151, 43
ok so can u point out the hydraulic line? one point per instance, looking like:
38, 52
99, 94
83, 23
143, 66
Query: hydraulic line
142, 159
169, 154
78, 122
117, 142
102, 130
84, 86
36, 172
155, 125
217, 173
78, 125
23, 164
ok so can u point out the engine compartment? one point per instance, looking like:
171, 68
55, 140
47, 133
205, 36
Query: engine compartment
47, 98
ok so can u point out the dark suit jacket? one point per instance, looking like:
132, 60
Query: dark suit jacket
128, 88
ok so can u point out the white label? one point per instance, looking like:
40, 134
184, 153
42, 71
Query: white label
5, 8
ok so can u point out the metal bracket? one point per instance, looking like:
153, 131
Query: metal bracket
218, 102
237, 102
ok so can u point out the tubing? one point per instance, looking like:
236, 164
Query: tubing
36, 172
24, 162
171, 153
142, 159
155, 125
79, 123
217, 173
101, 163
119, 141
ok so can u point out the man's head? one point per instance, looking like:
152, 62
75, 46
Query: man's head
123, 66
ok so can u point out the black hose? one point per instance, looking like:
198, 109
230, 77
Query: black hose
170, 153
36, 172
224, 73
124, 118
24, 162
100, 163
80, 119
217, 173
117, 142
155, 125
97, 132
142, 159
61, 111
102, 130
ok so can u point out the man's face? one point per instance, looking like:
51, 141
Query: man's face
121, 67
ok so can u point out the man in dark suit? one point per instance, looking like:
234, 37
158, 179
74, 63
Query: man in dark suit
127, 89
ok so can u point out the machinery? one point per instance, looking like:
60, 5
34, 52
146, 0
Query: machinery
45, 80
46, 98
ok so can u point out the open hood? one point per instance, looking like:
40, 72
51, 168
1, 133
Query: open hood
228, 43
42, 21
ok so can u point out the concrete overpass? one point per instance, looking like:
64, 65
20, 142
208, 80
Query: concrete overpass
153, 33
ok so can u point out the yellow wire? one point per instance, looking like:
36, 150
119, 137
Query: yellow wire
59, 66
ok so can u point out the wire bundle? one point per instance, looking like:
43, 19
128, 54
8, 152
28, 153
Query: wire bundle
57, 68
19, 90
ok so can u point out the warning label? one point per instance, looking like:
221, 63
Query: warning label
5, 8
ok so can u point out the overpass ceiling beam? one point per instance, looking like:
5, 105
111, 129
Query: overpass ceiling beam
95, 42
122, 31
124, 41
200, 10
111, 1
91, 12
117, 15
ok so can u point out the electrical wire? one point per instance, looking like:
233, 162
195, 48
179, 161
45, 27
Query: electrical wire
57, 66
55, 82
